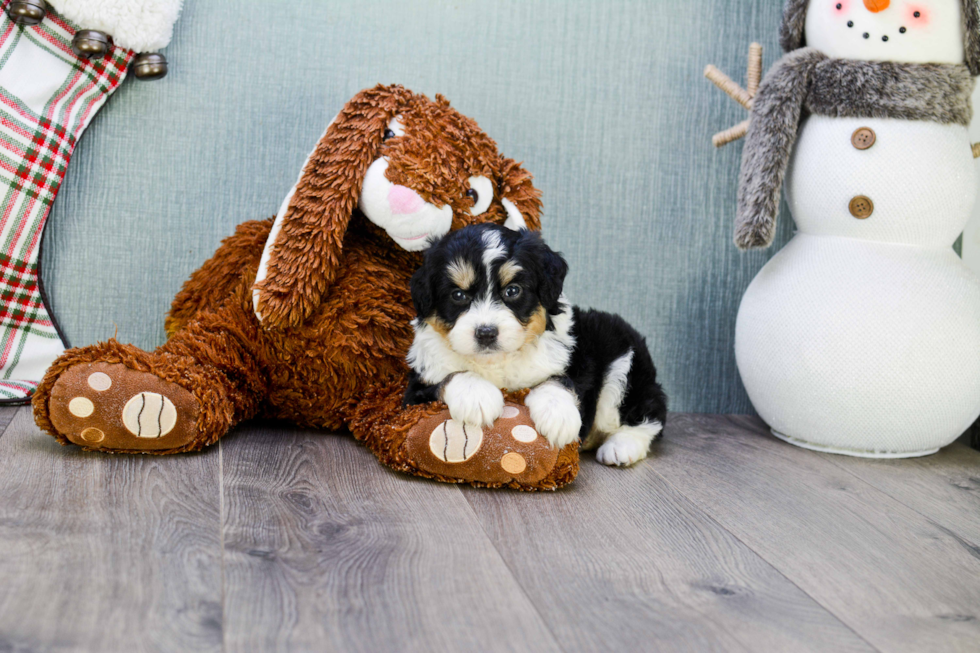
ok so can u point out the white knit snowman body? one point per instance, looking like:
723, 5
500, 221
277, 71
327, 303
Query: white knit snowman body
862, 336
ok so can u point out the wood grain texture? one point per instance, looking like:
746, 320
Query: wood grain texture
944, 488
623, 562
7, 414
326, 550
900, 580
106, 553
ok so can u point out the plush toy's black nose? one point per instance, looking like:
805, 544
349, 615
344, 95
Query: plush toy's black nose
486, 335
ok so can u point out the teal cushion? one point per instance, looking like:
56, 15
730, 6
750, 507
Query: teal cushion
604, 102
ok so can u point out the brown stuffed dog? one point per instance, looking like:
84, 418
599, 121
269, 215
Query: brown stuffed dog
307, 318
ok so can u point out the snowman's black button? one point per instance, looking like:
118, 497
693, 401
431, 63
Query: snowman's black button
863, 138
861, 207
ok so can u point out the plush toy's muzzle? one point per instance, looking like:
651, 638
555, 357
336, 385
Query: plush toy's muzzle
405, 216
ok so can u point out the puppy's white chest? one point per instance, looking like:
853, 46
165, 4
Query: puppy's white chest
515, 372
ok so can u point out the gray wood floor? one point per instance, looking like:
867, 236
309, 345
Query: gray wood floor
283, 539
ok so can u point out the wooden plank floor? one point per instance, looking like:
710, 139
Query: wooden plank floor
284, 539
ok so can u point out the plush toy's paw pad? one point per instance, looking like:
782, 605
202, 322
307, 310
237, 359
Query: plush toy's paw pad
109, 406
511, 449
622, 450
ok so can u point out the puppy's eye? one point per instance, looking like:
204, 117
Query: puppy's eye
460, 297
513, 291
473, 195
389, 134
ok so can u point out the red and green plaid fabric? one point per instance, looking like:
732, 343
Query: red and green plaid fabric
47, 98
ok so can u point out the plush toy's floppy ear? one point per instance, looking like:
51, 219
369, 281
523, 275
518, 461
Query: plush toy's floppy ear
520, 198
303, 252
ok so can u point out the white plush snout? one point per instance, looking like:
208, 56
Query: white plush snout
410, 221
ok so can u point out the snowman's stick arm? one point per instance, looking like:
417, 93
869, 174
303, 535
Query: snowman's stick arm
976, 150
754, 75
731, 134
728, 85
741, 95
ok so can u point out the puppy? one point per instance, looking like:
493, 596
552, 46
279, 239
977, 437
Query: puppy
491, 316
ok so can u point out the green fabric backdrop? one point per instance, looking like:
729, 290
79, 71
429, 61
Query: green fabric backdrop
604, 101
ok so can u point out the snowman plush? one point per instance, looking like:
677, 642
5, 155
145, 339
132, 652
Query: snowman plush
862, 335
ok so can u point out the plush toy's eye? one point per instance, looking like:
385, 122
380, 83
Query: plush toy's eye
513, 291
481, 192
394, 128
460, 297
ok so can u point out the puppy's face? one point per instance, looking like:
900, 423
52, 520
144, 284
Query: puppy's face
488, 290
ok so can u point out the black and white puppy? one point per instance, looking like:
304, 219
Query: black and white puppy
491, 316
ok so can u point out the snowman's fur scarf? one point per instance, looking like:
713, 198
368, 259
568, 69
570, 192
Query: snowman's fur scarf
791, 32
806, 79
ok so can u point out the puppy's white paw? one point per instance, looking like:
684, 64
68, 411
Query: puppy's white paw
473, 400
555, 413
623, 449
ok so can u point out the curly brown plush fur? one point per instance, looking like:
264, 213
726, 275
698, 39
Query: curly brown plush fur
335, 304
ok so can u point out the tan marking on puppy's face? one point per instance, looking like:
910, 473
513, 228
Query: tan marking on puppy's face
507, 272
462, 274
438, 326
536, 325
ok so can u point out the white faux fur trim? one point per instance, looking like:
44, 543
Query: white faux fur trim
138, 25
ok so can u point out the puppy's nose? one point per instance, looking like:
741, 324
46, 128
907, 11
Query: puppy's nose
403, 200
486, 335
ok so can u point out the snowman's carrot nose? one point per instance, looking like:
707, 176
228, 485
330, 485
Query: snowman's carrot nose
875, 6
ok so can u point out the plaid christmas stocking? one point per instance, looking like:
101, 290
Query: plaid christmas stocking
48, 96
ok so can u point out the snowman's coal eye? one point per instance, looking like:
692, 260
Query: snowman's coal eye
917, 14
839, 6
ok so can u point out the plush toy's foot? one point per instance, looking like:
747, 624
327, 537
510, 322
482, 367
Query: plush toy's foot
107, 406
511, 453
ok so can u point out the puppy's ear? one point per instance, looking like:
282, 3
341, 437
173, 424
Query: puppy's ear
421, 286
520, 198
551, 267
303, 252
